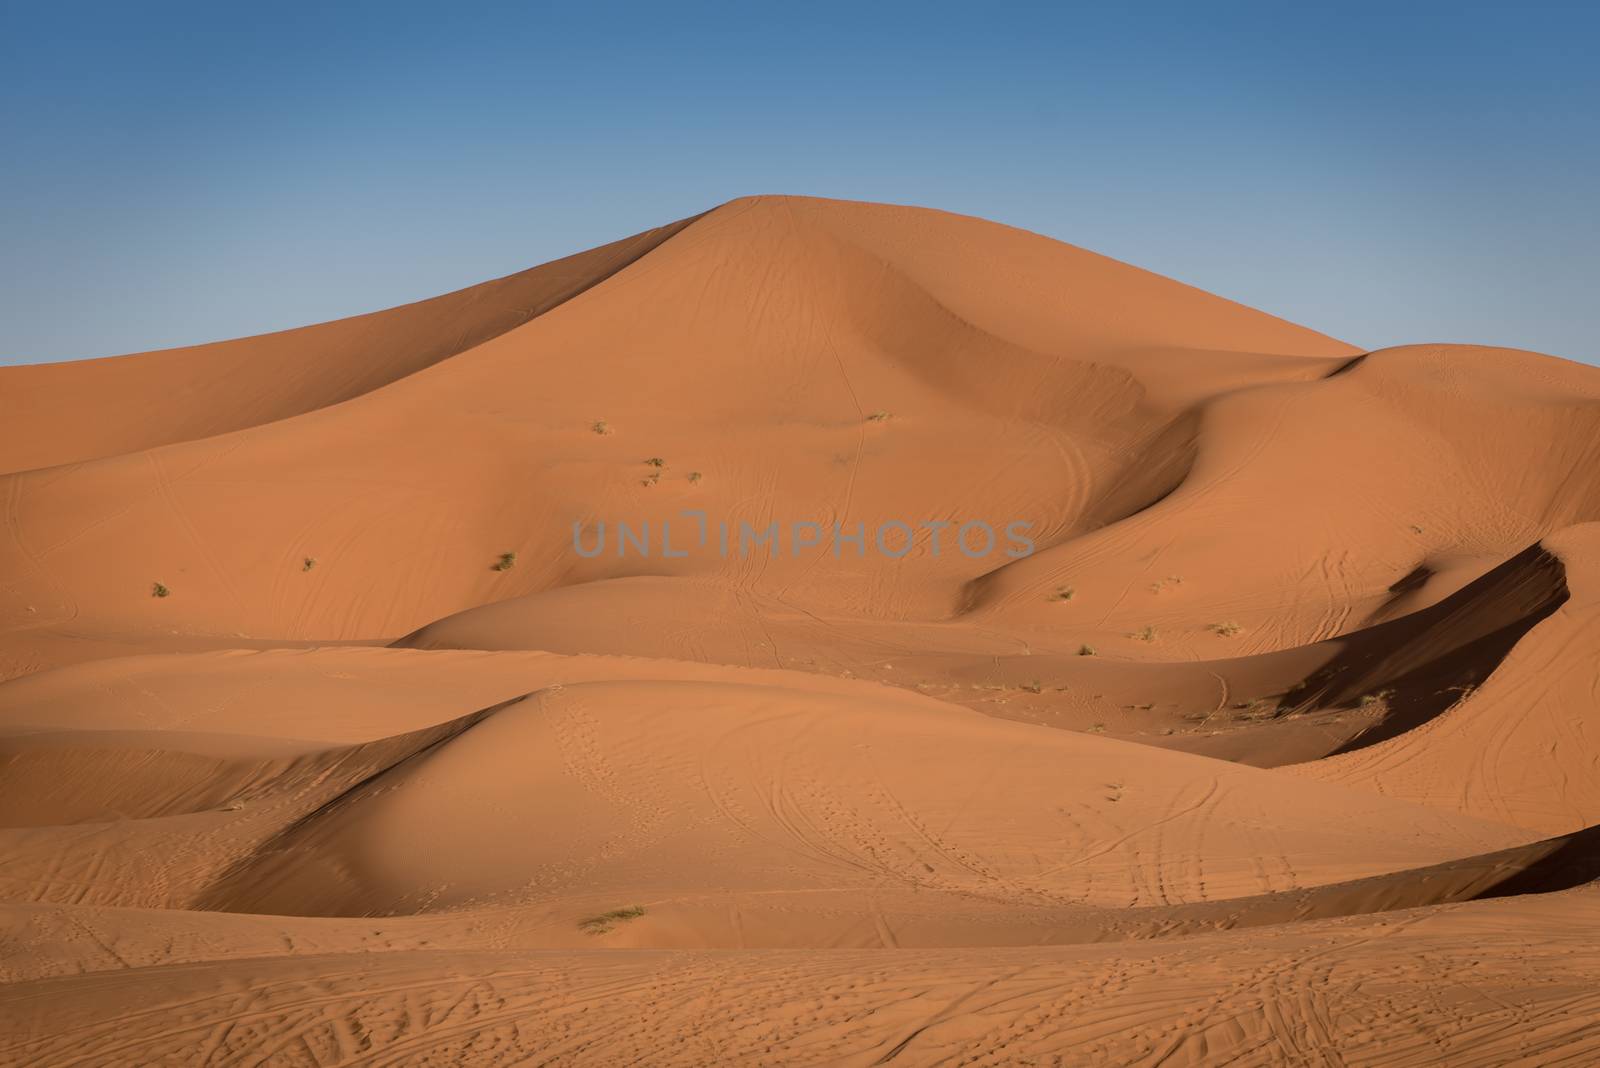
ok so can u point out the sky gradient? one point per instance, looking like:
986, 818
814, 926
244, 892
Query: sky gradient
179, 173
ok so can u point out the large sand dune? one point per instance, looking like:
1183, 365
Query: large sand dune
1277, 748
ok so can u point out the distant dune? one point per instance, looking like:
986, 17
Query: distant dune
811, 632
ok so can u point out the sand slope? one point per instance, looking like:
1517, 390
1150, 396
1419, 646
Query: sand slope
1522, 748
68, 412
1278, 749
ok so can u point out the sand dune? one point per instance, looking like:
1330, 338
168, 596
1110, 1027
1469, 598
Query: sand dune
323, 741
671, 789
53, 414
1521, 747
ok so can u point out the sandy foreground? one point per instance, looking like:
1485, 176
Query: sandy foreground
324, 740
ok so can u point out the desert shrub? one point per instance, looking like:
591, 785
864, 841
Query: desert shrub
606, 921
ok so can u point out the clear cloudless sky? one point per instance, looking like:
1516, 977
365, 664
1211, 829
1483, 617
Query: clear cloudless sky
172, 173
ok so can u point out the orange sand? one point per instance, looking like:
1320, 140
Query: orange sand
1324, 792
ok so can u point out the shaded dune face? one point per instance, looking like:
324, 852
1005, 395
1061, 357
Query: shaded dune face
1419, 665
321, 742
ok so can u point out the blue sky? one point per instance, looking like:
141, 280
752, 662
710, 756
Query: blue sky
1388, 173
